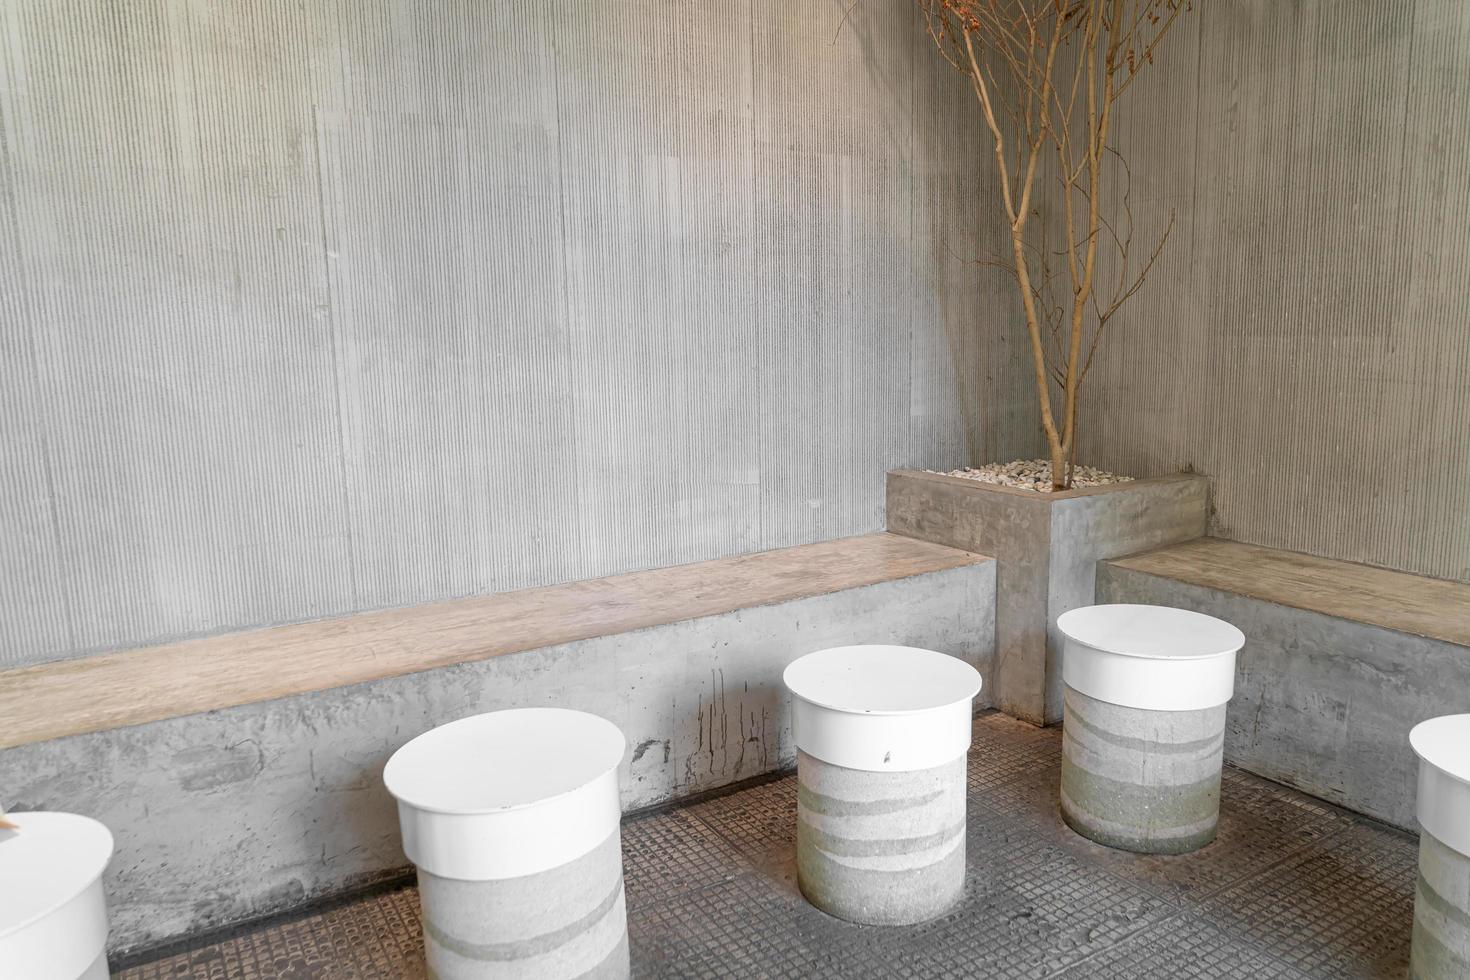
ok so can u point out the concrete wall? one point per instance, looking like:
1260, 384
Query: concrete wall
1305, 341
254, 809
313, 308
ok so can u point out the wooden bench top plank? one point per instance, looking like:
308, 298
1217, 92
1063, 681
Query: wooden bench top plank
1428, 607
132, 687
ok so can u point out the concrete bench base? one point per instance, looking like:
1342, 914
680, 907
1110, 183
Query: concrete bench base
253, 809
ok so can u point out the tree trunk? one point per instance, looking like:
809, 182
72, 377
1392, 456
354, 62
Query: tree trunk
1059, 473
1072, 452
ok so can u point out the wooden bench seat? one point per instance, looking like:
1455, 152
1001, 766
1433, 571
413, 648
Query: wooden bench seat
133, 687
1432, 608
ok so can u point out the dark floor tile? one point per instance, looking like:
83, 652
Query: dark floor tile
1001, 747
1344, 908
1015, 769
1260, 825
1033, 908
1183, 948
746, 927
373, 937
759, 822
669, 853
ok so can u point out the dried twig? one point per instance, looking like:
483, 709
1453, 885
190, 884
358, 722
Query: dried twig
1047, 75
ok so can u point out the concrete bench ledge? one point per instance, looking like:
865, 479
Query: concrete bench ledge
242, 775
1427, 607
92, 694
1340, 661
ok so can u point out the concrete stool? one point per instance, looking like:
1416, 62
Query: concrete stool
1143, 717
881, 736
512, 819
1442, 896
53, 914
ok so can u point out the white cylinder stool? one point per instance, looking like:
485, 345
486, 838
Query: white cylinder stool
881, 735
1441, 946
512, 819
1143, 718
53, 914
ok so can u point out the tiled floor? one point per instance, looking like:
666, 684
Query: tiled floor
1291, 888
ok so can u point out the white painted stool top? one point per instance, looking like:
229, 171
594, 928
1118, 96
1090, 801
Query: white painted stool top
503, 760
882, 708
507, 793
883, 680
1443, 747
1153, 632
1152, 657
53, 917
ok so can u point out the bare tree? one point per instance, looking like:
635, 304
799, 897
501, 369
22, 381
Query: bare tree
1047, 75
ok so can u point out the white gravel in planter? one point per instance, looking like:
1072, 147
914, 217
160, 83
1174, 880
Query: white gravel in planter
1035, 474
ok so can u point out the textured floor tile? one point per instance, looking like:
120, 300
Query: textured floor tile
372, 937
1182, 949
747, 927
670, 853
1261, 825
1015, 769
760, 822
1342, 909
1030, 909
1002, 748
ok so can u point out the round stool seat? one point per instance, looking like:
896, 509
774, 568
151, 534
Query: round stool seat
1143, 724
1441, 946
507, 793
1443, 747
53, 914
1150, 657
882, 708
881, 735
512, 818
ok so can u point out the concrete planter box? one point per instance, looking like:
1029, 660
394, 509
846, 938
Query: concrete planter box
1047, 546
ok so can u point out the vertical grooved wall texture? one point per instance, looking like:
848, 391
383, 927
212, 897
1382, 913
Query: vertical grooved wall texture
1305, 341
317, 307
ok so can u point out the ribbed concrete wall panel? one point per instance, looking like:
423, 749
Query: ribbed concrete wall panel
310, 308
442, 227
833, 185
1305, 341
172, 274
30, 547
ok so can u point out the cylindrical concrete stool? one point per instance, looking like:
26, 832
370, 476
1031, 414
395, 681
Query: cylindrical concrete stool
1442, 897
1144, 724
881, 735
512, 820
53, 914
